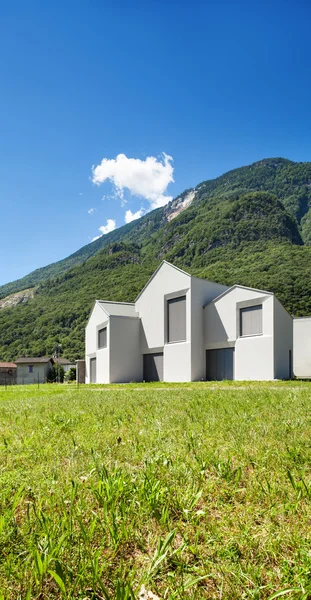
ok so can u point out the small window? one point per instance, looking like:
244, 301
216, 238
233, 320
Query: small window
102, 338
251, 320
30, 368
176, 319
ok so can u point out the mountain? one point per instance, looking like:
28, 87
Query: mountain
250, 226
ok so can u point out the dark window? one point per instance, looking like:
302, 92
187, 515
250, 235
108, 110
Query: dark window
30, 369
176, 319
251, 320
102, 338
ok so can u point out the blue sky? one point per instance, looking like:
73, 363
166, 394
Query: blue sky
214, 85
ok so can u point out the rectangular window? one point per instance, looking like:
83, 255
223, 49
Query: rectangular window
176, 319
30, 369
251, 320
102, 338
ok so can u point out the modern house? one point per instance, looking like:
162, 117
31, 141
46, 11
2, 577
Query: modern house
33, 370
182, 328
7, 373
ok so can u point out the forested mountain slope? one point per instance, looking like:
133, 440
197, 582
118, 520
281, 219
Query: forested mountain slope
288, 181
249, 226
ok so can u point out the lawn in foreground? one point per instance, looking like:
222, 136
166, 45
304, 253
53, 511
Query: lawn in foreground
197, 491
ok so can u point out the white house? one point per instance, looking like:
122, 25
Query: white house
182, 328
302, 347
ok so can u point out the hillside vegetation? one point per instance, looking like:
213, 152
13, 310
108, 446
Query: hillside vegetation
251, 226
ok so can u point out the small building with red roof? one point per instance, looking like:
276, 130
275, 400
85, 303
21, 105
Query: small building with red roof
7, 373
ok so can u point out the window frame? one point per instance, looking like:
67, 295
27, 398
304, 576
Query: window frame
30, 368
169, 301
99, 331
248, 309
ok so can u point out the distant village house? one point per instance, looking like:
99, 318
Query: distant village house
33, 370
7, 373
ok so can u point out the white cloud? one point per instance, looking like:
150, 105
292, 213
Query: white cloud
91, 211
148, 178
130, 216
111, 225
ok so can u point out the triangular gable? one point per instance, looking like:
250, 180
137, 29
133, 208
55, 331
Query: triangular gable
242, 287
164, 262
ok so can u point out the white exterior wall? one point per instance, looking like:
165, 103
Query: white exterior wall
97, 320
177, 362
283, 341
103, 362
202, 292
254, 355
126, 361
167, 283
302, 347
150, 306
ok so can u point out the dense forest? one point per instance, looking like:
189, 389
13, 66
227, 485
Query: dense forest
251, 226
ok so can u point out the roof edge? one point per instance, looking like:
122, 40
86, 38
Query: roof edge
164, 262
115, 302
242, 287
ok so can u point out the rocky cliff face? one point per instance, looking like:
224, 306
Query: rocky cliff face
18, 298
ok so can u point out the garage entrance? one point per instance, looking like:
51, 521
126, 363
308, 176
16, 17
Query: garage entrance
153, 367
93, 370
220, 364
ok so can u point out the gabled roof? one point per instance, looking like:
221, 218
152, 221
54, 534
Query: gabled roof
242, 287
118, 309
63, 361
31, 359
164, 262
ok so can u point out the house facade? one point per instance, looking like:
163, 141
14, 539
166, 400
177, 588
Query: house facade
182, 328
302, 347
33, 370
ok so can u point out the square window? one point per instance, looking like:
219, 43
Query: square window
251, 320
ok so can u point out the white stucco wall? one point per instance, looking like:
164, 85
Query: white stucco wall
126, 361
103, 363
254, 355
97, 320
177, 362
302, 347
254, 358
283, 341
151, 305
202, 292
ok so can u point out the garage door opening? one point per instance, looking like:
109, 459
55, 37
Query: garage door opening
220, 364
153, 367
93, 370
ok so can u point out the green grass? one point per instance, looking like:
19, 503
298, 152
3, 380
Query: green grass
195, 490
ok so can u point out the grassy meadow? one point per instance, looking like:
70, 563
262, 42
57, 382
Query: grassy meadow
194, 490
